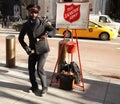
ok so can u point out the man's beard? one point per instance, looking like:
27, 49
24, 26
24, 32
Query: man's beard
32, 18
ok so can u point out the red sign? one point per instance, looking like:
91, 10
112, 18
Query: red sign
72, 13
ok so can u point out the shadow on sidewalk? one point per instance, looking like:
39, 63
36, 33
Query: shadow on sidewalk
96, 90
100, 91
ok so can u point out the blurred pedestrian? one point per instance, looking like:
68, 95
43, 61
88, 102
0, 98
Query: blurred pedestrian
4, 22
36, 30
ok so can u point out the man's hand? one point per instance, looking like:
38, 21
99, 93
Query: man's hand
44, 36
28, 50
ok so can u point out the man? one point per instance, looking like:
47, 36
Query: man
37, 30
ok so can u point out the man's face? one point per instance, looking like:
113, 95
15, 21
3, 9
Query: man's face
33, 14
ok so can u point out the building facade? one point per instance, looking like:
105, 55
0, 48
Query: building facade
9, 8
109, 7
48, 7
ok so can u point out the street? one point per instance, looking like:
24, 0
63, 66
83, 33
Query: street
101, 57
97, 57
100, 67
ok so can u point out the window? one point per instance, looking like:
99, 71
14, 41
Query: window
102, 19
91, 24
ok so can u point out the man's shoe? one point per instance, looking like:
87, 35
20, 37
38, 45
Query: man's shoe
34, 89
44, 91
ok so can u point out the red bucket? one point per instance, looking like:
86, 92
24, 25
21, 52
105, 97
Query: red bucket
71, 47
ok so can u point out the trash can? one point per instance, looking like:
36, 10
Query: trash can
64, 54
10, 51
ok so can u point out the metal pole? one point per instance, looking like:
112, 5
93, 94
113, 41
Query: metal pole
10, 51
64, 54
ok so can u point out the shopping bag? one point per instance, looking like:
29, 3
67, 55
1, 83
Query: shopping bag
42, 46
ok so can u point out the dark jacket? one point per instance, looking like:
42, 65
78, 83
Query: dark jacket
41, 28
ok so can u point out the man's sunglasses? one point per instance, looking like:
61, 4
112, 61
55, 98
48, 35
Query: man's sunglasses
34, 12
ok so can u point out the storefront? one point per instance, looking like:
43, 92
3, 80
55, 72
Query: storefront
11, 9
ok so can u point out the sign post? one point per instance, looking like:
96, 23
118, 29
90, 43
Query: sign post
72, 16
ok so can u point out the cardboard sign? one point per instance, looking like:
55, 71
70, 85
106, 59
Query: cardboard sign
72, 15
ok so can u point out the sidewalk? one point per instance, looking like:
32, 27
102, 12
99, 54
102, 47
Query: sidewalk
14, 84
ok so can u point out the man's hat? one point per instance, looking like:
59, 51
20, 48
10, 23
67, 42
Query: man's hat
33, 7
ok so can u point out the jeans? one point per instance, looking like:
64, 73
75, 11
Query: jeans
39, 61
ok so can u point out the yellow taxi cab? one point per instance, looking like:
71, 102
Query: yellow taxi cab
94, 30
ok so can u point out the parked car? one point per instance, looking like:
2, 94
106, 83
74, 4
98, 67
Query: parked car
105, 20
94, 31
